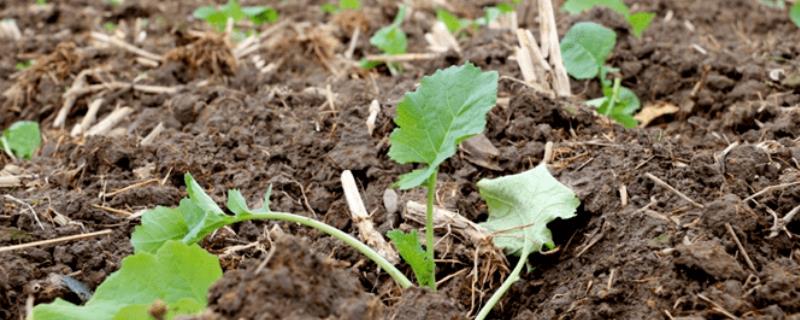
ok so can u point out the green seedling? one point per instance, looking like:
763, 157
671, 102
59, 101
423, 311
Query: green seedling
178, 275
585, 48
447, 108
169, 267
21, 139
638, 21
341, 5
218, 17
794, 13
22, 65
456, 25
41, 2
391, 40
520, 207
110, 27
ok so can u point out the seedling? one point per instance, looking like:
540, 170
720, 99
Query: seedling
177, 275
638, 21
218, 17
794, 13
447, 108
22, 65
456, 25
520, 207
21, 139
585, 48
168, 266
341, 5
391, 40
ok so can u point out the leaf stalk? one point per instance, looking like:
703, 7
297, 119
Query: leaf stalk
431, 186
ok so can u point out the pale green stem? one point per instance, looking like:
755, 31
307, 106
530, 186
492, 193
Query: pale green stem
384, 264
431, 185
497, 295
614, 95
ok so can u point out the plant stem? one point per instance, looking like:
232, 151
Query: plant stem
384, 264
614, 94
497, 295
431, 185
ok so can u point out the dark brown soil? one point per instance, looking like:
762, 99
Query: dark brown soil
657, 256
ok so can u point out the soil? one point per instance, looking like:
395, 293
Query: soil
729, 66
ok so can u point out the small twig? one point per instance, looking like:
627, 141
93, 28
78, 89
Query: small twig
151, 137
550, 45
770, 189
88, 119
108, 123
402, 57
353, 42
780, 224
53, 241
29, 207
374, 109
741, 247
415, 211
717, 306
126, 46
112, 210
10, 181
133, 186
366, 228
623, 195
670, 188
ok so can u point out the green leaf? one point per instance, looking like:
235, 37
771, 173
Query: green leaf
640, 21
391, 39
349, 4
794, 13
585, 48
622, 110
22, 138
204, 12
408, 246
260, 14
158, 226
454, 24
329, 8
194, 219
179, 275
233, 10
448, 107
521, 206
578, 6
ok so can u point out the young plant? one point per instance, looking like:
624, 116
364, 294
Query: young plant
218, 17
391, 40
24, 64
520, 207
21, 139
455, 24
447, 108
585, 48
178, 275
341, 5
638, 21
169, 267
794, 13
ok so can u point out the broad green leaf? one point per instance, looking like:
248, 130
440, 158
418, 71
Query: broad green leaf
329, 8
408, 246
585, 48
454, 24
623, 109
794, 13
233, 10
142, 312
640, 21
22, 138
448, 107
578, 6
521, 206
195, 218
391, 39
204, 12
260, 14
349, 4
158, 226
179, 275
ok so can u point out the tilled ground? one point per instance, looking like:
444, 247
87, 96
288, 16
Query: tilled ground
642, 253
